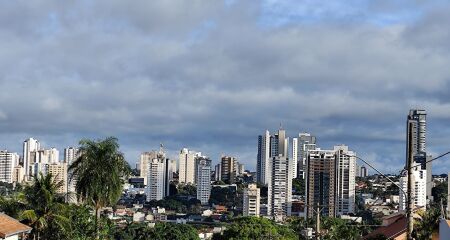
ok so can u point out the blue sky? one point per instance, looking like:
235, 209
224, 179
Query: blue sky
212, 75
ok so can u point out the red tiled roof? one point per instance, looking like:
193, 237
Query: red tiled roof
391, 231
10, 226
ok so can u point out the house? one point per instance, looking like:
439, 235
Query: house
12, 229
394, 227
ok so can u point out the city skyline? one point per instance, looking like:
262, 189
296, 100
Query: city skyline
147, 73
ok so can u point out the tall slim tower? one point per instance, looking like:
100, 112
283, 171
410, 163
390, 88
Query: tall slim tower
158, 176
228, 169
186, 161
305, 143
263, 158
279, 194
203, 179
29, 145
416, 145
345, 180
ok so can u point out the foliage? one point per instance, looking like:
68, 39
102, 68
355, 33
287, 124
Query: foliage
424, 228
187, 189
163, 231
100, 171
246, 228
43, 209
440, 192
336, 228
225, 196
298, 186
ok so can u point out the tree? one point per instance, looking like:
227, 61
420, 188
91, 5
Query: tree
298, 186
247, 228
100, 171
163, 231
44, 206
424, 228
440, 192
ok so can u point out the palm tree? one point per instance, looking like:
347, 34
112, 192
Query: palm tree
100, 170
43, 205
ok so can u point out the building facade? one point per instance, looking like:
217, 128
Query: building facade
345, 180
8, 161
186, 161
158, 176
228, 169
305, 142
30, 145
251, 200
279, 196
203, 179
419, 190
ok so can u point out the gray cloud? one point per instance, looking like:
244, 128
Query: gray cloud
210, 76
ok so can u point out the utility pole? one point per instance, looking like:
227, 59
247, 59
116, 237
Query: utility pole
317, 221
409, 199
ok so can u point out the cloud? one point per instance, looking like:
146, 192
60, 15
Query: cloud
212, 75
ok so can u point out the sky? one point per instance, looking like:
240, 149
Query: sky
213, 75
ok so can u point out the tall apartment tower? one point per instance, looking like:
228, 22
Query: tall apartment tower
30, 145
217, 172
419, 191
7, 163
186, 161
345, 180
252, 198
228, 169
144, 160
158, 174
59, 173
363, 172
305, 142
280, 188
263, 158
321, 182
416, 144
294, 157
203, 179
70, 155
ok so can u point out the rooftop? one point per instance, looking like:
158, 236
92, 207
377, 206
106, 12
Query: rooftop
10, 226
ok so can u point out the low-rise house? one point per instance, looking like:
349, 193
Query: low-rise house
12, 229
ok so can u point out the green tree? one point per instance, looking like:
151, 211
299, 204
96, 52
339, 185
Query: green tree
424, 228
100, 171
298, 186
440, 192
162, 231
44, 207
246, 228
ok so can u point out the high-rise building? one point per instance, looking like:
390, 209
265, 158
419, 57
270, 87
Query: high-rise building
203, 179
144, 160
7, 163
70, 155
330, 181
217, 172
294, 157
305, 142
187, 166
18, 174
228, 169
59, 174
345, 180
30, 145
280, 188
158, 172
270, 146
363, 172
241, 168
321, 181
416, 145
263, 158
419, 190
252, 198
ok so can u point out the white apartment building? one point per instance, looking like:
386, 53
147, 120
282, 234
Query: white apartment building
203, 179
30, 145
7, 162
158, 176
145, 158
294, 156
263, 158
280, 188
186, 167
419, 191
18, 174
70, 155
345, 180
252, 199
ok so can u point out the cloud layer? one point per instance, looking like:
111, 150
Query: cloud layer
212, 75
